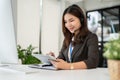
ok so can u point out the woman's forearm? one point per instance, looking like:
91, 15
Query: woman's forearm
76, 65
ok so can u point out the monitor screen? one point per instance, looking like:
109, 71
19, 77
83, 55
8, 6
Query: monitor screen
8, 49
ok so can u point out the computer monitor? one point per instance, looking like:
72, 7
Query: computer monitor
8, 49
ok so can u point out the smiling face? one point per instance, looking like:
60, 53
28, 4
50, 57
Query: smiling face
72, 23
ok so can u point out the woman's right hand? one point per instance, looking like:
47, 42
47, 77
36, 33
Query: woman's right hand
51, 54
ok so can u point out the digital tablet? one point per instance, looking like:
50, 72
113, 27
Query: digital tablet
44, 58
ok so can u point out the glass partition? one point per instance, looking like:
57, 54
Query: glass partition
110, 24
105, 23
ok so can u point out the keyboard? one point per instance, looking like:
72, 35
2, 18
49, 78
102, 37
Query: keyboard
18, 68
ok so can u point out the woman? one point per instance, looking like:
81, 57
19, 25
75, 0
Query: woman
80, 46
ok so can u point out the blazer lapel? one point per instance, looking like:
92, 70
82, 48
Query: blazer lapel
79, 47
66, 54
76, 48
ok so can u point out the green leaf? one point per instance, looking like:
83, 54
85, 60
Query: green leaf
26, 55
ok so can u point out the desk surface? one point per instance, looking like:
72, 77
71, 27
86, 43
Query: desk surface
89, 74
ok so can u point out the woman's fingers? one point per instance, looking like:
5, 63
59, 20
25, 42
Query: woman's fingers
59, 60
51, 53
54, 63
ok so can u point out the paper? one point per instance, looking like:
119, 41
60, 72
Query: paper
41, 66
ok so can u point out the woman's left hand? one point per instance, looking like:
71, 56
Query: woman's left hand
60, 64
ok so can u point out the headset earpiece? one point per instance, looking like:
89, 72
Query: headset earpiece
82, 19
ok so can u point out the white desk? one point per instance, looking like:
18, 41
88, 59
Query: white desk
91, 74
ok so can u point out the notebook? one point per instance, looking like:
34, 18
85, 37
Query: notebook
43, 66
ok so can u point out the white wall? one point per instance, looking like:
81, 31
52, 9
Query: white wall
28, 22
98, 4
50, 26
94, 4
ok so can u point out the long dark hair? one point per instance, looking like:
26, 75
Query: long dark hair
82, 32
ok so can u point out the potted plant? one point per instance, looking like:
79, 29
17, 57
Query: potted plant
112, 54
25, 55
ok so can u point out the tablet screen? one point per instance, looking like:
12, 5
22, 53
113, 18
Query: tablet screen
44, 58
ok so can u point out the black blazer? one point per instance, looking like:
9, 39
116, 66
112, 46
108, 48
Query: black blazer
86, 51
